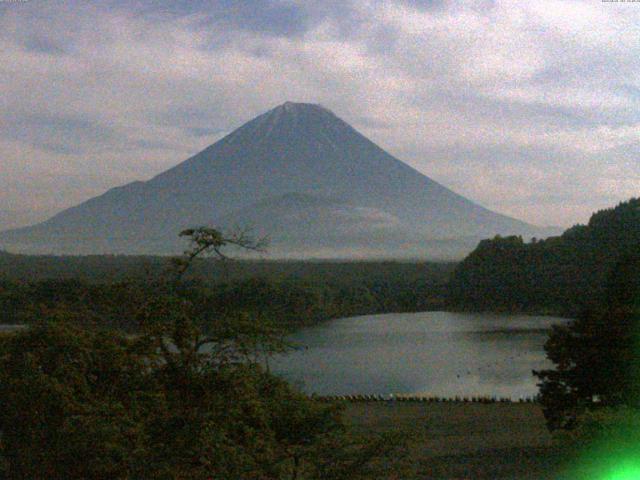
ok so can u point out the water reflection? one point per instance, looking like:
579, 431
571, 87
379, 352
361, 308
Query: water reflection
432, 353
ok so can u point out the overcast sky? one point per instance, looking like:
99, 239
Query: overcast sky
529, 107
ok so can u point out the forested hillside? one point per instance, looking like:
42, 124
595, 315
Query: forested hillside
108, 290
558, 275
117, 268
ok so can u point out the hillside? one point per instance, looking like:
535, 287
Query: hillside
296, 173
561, 274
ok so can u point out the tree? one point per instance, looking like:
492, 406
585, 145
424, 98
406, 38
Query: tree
170, 401
67, 394
597, 356
206, 240
560, 275
129, 411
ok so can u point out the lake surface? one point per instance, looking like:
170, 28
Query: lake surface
430, 353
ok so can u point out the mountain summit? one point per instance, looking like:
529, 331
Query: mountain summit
296, 173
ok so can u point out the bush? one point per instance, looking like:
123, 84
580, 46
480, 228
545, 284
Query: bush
79, 403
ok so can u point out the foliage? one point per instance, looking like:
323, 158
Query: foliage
597, 356
292, 300
79, 403
108, 289
206, 240
101, 269
561, 275
171, 401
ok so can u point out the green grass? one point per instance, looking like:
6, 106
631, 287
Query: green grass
466, 441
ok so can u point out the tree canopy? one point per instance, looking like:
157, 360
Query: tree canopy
596, 356
79, 400
560, 275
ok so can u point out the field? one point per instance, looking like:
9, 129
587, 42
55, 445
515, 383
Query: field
466, 440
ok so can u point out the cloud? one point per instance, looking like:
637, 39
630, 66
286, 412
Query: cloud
530, 108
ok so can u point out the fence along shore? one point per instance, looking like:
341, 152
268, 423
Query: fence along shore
423, 398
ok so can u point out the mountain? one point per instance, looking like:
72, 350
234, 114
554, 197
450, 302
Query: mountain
298, 173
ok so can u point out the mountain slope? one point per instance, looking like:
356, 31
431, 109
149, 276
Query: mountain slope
300, 149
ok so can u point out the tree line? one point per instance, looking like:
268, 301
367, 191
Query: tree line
119, 268
301, 297
560, 275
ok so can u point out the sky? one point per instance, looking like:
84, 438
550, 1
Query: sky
530, 108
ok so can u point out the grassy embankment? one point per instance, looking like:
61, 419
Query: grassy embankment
466, 440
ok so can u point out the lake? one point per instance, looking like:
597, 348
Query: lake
428, 353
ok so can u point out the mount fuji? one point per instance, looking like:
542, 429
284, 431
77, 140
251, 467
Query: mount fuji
298, 174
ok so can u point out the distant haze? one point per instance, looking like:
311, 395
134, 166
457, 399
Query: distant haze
297, 174
22, 218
